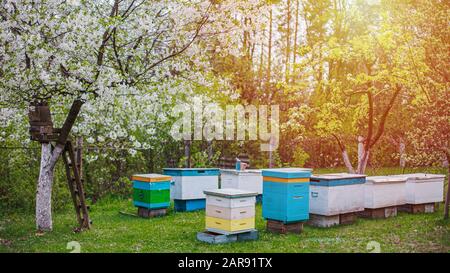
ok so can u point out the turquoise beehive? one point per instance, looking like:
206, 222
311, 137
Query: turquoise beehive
286, 194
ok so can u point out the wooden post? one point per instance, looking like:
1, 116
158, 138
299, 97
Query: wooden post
187, 153
447, 198
70, 120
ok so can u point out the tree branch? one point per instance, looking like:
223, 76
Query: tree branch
380, 130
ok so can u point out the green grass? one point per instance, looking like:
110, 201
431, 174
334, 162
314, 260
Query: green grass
176, 232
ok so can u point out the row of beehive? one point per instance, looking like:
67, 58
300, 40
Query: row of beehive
289, 194
340, 193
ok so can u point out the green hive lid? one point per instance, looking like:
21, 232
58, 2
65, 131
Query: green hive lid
230, 193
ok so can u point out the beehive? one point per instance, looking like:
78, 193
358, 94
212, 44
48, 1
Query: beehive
337, 193
151, 191
384, 191
188, 186
230, 211
423, 188
286, 194
249, 180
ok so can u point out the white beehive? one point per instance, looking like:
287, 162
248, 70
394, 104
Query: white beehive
334, 194
384, 191
422, 188
250, 180
230, 211
189, 183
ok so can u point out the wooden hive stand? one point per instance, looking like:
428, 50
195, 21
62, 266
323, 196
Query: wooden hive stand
418, 208
317, 220
280, 227
218, 238
151, 213
379, 213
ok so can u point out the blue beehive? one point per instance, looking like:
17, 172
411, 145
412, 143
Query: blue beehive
286, 194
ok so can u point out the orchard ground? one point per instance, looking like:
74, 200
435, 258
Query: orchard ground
114, 232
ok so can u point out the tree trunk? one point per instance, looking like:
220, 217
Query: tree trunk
210, 150
270, 156
345, 156
363, 156
288, 40
401, 151
187, 153
295, 39
362, 163
360, 149
445, 163
261, 62
447, 198
347, 162
44, 190
269, 48
44, 187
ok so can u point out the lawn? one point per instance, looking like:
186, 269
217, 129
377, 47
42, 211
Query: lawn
114, 232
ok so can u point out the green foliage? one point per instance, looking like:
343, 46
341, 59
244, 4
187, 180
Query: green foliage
201, 159
300, 157
19, 173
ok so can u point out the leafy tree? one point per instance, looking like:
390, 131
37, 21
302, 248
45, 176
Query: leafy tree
69, 53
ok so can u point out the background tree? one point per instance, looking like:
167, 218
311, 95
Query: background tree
54, 51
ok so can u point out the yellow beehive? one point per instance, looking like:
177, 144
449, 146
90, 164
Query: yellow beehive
230, 211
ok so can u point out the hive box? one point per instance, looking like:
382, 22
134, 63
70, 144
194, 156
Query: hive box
286, 194
422, 188
230, 211
249, 180
337, 193
189, 183
151, 191
384, 191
